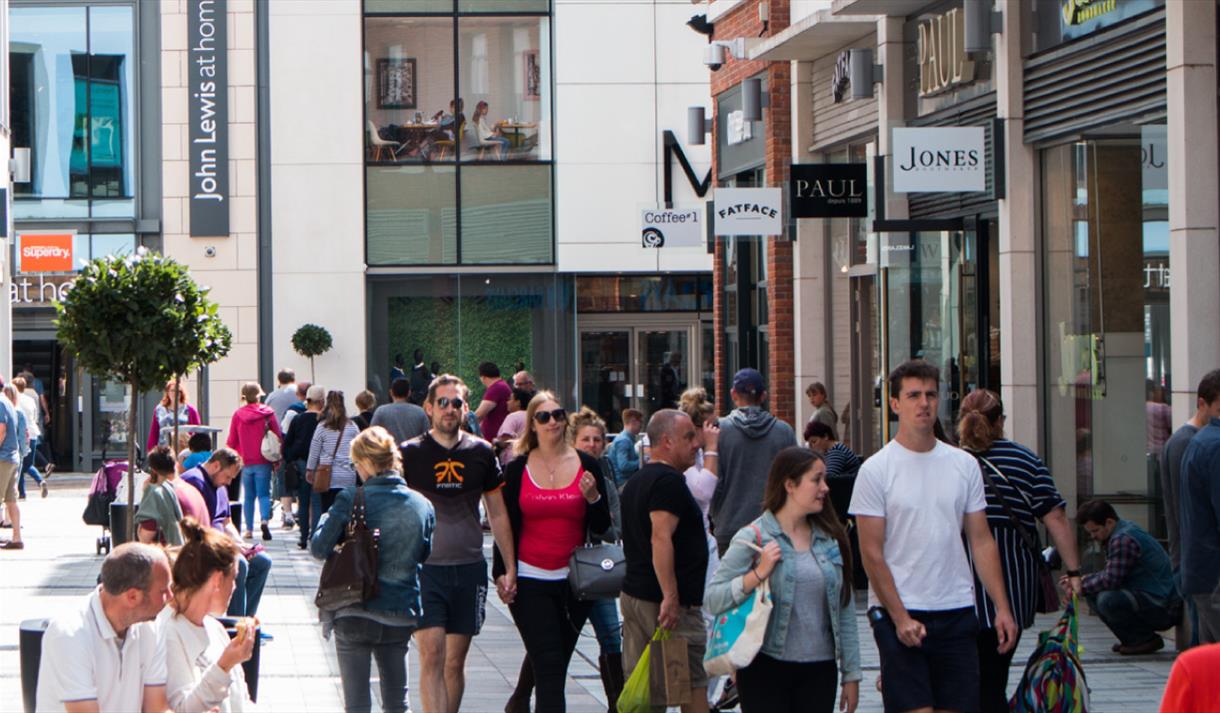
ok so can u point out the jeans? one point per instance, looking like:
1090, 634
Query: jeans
304, 506
549, 620
256, 482
1134, 617
769, 685
604, 618
27, 466
251, 578
321, 503
356, 640
993, 672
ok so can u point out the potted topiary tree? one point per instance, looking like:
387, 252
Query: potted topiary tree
310, 341
142, 320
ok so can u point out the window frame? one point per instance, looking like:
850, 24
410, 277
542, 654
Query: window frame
456, 15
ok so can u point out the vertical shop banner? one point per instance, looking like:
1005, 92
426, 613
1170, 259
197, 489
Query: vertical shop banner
45, 252
828, 190
946, 159
749, 211
208, 115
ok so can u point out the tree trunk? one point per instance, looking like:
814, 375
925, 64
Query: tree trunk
173, 445
313, 378
131, 462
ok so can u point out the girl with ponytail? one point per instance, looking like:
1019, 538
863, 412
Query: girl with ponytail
202, 663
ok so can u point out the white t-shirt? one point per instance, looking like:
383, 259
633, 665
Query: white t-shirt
195, 681
28, 403
84, 660
923, 498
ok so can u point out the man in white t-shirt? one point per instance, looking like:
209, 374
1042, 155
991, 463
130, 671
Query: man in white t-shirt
912, 501
108, 655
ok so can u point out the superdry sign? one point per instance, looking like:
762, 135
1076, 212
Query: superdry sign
749, 211
46, 252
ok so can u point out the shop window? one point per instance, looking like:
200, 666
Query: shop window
504, 5
644, 293
373, 7
1107, 282
84, 247
410, 112
72, 104
504, 78
506, 214
412, 215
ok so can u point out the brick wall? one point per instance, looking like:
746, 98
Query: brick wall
744, 22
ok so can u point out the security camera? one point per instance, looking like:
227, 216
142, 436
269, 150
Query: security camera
715, 55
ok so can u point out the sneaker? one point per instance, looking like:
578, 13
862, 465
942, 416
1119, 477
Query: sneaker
1156, 643
266, 531
247, 535
13, 546
43, 487
289, 522
728, 699
20, 498
48, 471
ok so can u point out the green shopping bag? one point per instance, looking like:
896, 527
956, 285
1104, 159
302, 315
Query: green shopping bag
637, 693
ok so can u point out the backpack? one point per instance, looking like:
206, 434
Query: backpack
271, 446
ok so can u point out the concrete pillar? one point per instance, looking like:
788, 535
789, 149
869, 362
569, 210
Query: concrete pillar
1194, 216
809, 259
890, 102
1018, 224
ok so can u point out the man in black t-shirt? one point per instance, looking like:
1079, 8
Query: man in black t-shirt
454, 470
665, 576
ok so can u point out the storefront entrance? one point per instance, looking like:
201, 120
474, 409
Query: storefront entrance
938, 304
637, 361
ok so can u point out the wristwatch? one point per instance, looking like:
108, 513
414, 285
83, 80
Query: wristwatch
1072, 573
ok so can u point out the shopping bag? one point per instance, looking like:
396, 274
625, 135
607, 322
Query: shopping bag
1054, 680
669, 672
636, 696
738, 634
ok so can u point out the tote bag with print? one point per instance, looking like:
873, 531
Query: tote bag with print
738, 634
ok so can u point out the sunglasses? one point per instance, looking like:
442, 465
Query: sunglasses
445, 402
544, 417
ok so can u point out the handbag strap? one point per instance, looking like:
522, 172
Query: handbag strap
357, 520
1030, 540
338, 440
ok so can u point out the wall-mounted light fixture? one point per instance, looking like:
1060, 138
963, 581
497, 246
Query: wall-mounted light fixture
980, 21
697, 125
19, 165
862, 73
753, 99
719, 51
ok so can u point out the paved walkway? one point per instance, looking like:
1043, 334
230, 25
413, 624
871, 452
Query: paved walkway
299, 672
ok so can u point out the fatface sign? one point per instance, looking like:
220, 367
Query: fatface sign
208, 112
828, 190
943, 63
749, 211
46, 252
671, 228
939, 159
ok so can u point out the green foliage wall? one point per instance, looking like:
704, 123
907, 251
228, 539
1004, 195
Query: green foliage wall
460, 333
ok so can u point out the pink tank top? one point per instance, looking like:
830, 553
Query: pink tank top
552, 523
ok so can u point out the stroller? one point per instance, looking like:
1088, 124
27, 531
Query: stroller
102, 492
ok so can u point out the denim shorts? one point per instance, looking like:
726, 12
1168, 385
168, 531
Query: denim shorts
941, 673
454, 597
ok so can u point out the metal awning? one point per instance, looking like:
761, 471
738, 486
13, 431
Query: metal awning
815, 36
889, 8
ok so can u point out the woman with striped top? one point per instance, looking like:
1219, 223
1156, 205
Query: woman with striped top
1012, 472
334, 425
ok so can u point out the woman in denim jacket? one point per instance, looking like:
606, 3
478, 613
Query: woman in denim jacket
382, 626
813, 623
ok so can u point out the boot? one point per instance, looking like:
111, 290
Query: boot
519, 702
611, 666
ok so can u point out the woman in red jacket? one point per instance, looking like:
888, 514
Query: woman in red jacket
249, 425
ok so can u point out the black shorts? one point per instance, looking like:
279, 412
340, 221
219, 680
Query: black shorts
454, 597
942, 673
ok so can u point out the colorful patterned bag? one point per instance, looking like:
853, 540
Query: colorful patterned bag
1054, 680
738, 634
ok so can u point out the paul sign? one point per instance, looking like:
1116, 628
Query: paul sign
749, 211
828, 190
939, 159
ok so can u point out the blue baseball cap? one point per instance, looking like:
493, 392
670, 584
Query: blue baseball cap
749, 381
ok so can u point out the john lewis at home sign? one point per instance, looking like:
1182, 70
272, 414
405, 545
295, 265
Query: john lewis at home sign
939, 159
749, 211
208, 115
828, 190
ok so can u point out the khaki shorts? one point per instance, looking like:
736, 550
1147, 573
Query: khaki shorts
8, 481
639, 624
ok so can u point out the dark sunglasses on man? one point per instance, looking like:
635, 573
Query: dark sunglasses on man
544, 417
445, 402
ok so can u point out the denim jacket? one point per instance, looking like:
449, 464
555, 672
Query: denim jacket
726, 589
406, 521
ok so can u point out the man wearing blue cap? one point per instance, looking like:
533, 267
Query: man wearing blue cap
749, 439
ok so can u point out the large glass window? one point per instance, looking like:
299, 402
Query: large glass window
1106, 255
462, 92
72, 104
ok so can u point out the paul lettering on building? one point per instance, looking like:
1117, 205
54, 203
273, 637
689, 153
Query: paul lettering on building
209, 149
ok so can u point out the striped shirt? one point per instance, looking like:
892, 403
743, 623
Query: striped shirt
1026, 482
841, 461
343, 473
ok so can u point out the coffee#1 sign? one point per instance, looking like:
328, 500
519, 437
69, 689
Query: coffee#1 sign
939, 159
749, 211
671, 228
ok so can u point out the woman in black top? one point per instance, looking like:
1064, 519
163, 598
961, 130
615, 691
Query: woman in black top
296, 453
1012, 472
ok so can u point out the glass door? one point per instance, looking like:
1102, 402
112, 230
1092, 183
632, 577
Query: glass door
606, 378
662, 358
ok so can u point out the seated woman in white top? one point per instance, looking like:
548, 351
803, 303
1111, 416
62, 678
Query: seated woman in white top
487, 135
202, 664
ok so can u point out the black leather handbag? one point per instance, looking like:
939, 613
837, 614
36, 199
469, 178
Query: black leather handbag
596, 571
349, 576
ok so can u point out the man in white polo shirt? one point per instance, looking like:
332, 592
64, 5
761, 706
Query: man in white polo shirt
913, 500
108, 655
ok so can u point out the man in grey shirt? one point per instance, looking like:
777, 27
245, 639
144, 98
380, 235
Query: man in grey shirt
404, 420
284, 395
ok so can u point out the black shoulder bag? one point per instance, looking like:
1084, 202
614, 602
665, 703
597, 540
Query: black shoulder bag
349, 576
1046, 600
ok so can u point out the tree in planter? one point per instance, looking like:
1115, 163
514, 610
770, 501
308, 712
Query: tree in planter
141, 320
310, 341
